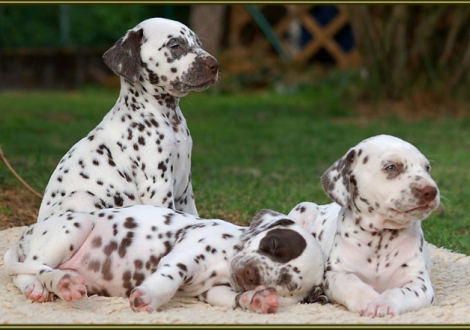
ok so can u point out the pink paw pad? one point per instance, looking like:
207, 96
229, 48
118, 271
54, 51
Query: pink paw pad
140, 301
264, 300
38, 293
71, 288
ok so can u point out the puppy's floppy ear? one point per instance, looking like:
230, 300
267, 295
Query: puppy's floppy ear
124, 56
260, 216
337, 178
256, 224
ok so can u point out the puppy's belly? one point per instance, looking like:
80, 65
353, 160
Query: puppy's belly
112, 265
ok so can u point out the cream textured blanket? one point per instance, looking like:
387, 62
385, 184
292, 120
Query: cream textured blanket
450, 277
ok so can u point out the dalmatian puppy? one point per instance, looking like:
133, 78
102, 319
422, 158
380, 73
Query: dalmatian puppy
140, 153
377, 262
150, 254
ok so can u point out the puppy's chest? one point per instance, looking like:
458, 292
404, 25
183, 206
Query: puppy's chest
378, 255
160, 130
142, 145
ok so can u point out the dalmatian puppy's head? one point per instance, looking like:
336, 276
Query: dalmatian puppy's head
383, 176
163, 55
277, 252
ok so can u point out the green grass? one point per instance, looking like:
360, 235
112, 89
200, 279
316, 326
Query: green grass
251, 151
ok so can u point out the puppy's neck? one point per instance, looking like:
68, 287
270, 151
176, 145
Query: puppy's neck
134, 103
138, 97
371, 222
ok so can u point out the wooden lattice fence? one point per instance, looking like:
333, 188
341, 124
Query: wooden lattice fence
301, 35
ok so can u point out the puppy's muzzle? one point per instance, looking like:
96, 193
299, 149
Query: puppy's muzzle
248, 277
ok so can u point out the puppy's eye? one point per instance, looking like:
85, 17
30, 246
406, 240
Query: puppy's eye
390, 168
175, 46
428, 168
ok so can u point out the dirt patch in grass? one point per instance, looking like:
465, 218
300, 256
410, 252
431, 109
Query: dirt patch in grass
18, 207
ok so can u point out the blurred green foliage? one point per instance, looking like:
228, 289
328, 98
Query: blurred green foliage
35, 26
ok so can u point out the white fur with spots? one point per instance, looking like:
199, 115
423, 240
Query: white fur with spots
140, 153
151, 254
377, 259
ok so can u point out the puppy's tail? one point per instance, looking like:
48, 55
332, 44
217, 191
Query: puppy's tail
14, 267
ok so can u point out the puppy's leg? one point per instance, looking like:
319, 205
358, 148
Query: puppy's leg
68, 285
157, 289
305, 214
186, 202
32, 288
260, 300
43, 247
416, 293
349, 290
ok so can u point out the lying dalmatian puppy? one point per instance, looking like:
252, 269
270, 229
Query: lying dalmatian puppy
151, 254
377, 259
140, 153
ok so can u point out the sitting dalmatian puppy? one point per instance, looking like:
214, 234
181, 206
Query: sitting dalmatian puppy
140, 153
377, 259
150, 254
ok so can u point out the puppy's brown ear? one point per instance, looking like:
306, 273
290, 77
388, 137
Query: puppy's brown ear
337, 178
124, 56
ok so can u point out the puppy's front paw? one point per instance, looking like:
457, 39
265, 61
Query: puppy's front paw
380, 307
260, 300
